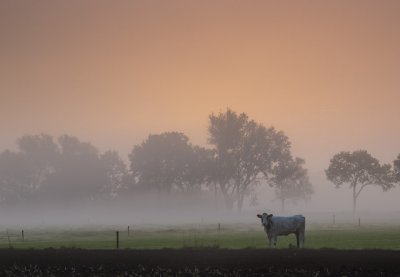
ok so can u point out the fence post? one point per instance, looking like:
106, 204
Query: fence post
23, 237
117, 239
128, 231
359, 222
9, 240
219, 227
333, 219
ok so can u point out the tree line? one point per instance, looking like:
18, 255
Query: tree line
242, 155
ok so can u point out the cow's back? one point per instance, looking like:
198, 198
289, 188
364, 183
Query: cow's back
287, 225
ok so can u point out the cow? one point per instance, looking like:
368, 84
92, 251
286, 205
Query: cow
276, 226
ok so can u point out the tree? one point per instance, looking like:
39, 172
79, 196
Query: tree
23, 173
359, 169
396, 167
196, 173
116, 174
78, 173
244, 151
40, 152
290, 180
66, 171
161, 161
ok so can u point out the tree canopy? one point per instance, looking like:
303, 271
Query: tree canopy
167, 162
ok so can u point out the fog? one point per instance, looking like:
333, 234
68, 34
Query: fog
82, 85
375, 207
140, 215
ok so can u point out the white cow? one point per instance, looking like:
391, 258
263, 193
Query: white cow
276, 226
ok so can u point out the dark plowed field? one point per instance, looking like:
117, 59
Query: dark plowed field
199, 262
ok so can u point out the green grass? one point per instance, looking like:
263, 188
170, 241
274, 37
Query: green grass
360, 238
232, 237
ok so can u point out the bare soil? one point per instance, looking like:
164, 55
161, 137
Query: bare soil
199, 262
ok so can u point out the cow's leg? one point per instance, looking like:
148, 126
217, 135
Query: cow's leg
275, 240
301, 237
297, 238
270, 242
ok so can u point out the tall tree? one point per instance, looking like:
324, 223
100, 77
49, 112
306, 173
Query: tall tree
160, 162
244, 150
290, 180
359, 169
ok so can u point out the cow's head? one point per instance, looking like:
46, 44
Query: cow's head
266, 219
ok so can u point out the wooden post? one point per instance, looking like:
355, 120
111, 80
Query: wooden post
359, 222
128, 231
117, 239
23, 237
9, 240
219, 227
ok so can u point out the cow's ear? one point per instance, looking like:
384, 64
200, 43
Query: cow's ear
269, 216
260, 216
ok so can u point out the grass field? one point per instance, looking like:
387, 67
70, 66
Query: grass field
229, 236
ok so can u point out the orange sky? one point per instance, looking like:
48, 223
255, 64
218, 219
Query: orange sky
327, 73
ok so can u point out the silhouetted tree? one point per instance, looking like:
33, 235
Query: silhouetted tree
359, 169
161, 162
290, 180
116, 173
244, 150
195, 173
79, 174
40, 152
22, 173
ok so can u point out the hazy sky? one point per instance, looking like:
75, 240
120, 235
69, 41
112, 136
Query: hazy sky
327, 73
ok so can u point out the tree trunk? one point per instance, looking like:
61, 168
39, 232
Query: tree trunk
229, 203
240, 202
228, 200
282, 199
354, 199
216, 196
